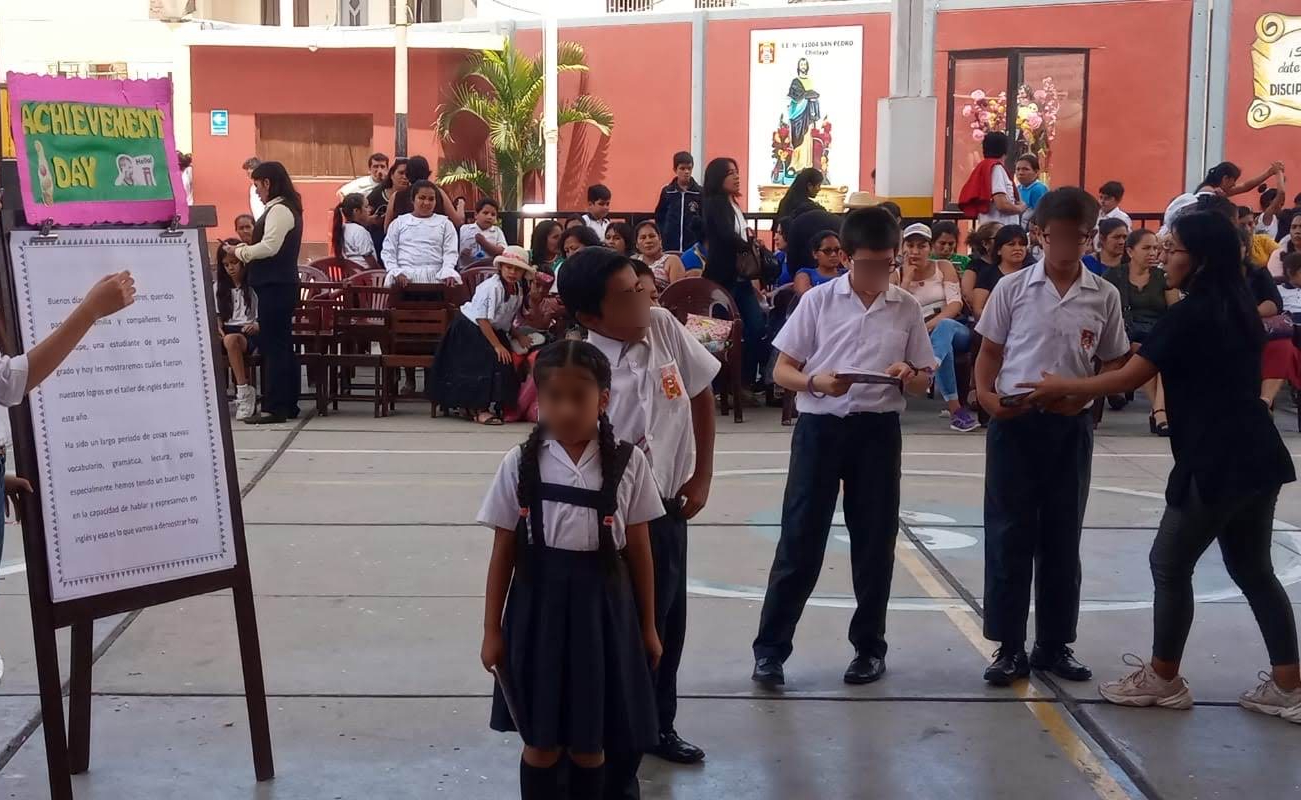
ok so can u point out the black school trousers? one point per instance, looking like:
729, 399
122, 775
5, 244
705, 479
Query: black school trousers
280, 375
862, 451
1037, 470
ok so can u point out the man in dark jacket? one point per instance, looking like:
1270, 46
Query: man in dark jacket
678, 211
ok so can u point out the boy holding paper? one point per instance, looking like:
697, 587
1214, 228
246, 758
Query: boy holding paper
1054, 316
843, 334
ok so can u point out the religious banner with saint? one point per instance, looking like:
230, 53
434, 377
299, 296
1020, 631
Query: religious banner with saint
805, 110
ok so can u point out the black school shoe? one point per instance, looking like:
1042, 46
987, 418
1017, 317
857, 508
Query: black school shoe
673, 748
768, 672
1010, 664
865, 669
1060, 661
265, 419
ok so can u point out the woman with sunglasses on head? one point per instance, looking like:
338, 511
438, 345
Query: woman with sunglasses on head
1230, 463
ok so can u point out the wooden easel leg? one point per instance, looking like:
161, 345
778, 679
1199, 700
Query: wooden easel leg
255, 693
83, 644
56, 746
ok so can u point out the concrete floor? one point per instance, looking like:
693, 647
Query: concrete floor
369, 574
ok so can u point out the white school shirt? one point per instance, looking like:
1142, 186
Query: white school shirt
598, 225
241, 313
421, 248
1116, 213
255, 204
1041, 331
1271, 229
471, 229
567, 527
830, 331
652, 384
357, 244
13, 385
1000, 183
491, 302
1291, 299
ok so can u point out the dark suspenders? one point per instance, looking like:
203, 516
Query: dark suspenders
605, 501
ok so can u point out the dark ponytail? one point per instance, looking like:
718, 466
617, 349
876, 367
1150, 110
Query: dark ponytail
611, 475
343, 212
226, 285
530, 479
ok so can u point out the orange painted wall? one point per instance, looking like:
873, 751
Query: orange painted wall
1249, 148
1137, 101
727, 76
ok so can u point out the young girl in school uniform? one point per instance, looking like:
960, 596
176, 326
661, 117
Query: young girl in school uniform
350, 235
574, 643
237, 313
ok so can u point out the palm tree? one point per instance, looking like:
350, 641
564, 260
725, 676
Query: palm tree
503, 89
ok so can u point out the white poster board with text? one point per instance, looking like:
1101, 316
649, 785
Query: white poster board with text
131, 456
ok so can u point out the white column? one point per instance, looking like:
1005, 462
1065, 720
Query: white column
182, 123
1199, 50
286, 13
400, 82
550, 104
1217, 90
698, 24
905, 137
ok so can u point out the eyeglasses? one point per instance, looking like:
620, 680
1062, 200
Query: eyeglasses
1080, 238
830, 251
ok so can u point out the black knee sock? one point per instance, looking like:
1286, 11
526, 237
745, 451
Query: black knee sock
538, 783
586, 784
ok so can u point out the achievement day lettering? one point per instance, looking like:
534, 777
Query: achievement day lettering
83, 119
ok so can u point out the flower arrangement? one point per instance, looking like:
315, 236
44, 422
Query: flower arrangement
1036, 119
783, 150
985, 113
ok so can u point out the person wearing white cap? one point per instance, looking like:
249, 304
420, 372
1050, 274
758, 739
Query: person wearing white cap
474, 368
934, 284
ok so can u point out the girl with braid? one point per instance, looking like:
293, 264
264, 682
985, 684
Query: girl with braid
569, 622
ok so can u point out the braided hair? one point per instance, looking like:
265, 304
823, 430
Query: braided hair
557, 355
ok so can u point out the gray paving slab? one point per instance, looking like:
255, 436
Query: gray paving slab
452, 560
1208, 752
19, 653
406, 749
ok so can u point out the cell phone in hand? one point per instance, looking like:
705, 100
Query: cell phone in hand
869, 376
1013, 400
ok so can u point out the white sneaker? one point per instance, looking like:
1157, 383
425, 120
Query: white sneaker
1268, 698
1144, 687
245, 402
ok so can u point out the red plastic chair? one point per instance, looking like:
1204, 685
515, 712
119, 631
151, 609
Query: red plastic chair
704, 297
366, 290
337, 269
472, 276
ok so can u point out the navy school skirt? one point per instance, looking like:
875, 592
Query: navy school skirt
467, 374
574, 657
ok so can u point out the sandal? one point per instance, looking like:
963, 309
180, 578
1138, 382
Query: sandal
488, 418
1158, 428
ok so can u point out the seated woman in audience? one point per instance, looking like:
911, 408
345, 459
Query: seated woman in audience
1290, 245
544, 253
1009, 250
574, 238
237, 314
829, 263
980, 243
779, 246
475, 369
944, 246
619, 238
934, 283
1144, 297
350, 233
1280, 363
666, 267
1112, 234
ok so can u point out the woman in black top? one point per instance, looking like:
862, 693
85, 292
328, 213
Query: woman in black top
725, 235
272, 261
799, 197
380, 197
1008, 254
1230, 463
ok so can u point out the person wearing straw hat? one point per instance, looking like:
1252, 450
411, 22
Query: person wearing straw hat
475, 369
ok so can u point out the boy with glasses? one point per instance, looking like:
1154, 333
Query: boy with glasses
849, 349
1053, 317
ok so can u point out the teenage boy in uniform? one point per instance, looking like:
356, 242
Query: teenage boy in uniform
847, 432
661, 400
678, 211
1058, 317
598, 209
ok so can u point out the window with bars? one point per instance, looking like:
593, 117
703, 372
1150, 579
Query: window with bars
628, 6
271, 13
316, 145
420, 10
353, 12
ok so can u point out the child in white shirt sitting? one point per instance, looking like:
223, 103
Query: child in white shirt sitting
421, 247
482, 238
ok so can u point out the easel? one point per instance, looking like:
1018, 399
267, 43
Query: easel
68, 750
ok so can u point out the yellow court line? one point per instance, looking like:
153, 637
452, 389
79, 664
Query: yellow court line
1048, 714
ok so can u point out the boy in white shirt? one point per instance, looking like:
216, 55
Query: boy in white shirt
1109, 197
1004, 204
421, 247
662, 401
1052, 317
482, 238
598, 209
848, 432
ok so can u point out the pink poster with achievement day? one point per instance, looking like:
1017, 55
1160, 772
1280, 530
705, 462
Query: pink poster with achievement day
92, 151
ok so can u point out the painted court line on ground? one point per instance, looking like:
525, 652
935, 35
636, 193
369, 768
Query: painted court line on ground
405, 452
